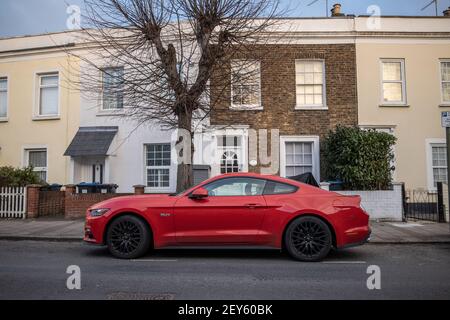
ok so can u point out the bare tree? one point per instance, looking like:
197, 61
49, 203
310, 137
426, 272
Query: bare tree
169, 50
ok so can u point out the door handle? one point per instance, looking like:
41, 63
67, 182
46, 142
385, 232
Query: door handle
252, 205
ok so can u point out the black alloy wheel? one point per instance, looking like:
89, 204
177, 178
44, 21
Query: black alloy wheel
308, 239
128, 237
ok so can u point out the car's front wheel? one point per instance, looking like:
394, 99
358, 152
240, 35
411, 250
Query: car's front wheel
308, 239
128, 237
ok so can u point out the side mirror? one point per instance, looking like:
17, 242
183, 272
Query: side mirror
199, 193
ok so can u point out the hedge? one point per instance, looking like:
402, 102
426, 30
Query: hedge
361, 159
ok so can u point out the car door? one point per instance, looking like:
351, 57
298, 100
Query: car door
232, 213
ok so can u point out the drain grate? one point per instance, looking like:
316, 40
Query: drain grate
140, 296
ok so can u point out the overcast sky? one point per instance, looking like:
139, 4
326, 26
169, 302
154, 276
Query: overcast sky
25, 17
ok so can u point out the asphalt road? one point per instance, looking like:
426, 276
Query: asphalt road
37, 270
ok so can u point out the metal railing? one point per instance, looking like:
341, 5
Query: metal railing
424, 205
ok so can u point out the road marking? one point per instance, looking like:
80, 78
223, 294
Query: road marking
344, 262
154, 260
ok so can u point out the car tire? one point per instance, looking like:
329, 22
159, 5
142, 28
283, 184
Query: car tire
308, 239
128, 237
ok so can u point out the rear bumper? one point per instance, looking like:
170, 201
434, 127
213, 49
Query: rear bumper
364, 232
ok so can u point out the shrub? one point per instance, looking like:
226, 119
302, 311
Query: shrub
17, 177
361, 159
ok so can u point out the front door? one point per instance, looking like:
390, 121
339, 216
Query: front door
97, 173
232, 213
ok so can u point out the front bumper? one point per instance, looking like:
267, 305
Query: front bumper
93, 229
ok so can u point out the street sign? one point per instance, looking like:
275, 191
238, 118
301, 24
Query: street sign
445, 119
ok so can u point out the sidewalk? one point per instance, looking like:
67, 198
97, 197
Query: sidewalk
72, 230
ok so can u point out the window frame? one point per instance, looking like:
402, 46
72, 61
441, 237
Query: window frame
102, 97
230, 178
26, 163
441, 82
296, 188
162, 167
37, 104
324, 105
5, 77
402, 62
315, 140
429, 144
257, 106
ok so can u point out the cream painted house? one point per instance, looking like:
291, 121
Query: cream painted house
403, 85
39, 114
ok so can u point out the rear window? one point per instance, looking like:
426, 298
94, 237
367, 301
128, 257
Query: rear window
273, 187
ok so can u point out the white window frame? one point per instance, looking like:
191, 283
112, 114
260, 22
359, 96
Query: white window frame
26, 158
6, 117
169, 167
322, 106
429, 144
257, 106
441, 82
315, 140
216, 154
37, 103
102, 76
404, 101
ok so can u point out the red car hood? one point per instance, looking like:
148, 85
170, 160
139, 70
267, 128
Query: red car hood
138, 201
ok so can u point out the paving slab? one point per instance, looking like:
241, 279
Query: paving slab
72, 230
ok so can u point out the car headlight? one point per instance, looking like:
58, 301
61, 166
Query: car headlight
98, 212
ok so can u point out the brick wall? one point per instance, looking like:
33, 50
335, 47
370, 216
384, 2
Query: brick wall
278, 91
66, 203
51, 203
77, 204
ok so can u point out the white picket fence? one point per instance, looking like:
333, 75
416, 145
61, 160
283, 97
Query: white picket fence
13, 202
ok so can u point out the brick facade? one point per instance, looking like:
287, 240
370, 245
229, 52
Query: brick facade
278, 91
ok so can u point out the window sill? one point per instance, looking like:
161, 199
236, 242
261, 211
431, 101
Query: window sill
444, 105
42, 118
106, 113
394, 105
311, 108
246, 107
4, 119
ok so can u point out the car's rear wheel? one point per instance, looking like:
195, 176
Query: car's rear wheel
308, 239
128, 237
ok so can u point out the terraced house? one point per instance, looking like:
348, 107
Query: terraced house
403, 85
38, 112
310, 75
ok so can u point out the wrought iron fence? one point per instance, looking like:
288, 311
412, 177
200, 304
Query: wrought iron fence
424, 205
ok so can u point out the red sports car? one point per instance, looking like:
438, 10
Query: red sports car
232, 209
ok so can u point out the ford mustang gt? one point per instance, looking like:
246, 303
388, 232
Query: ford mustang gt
231, 209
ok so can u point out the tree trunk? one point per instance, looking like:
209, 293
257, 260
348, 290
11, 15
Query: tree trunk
185, 175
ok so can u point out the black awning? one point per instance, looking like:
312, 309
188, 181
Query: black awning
91, 141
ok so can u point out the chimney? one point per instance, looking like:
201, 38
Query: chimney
447, 12
336, 11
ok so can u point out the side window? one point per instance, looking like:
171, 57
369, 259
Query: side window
236, 187
273, 187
